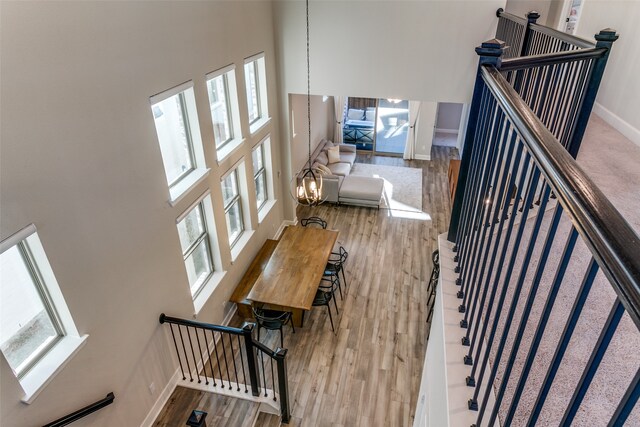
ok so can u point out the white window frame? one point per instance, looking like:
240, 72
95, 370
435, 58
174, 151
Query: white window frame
203, 238
260, 75
236, 199
260, 173
225, 148
179, 187
47, 362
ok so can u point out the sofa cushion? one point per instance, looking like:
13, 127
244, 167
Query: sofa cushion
347, 157
334, 154
322, 158
363, 188
323, 169
328, 144
341, 169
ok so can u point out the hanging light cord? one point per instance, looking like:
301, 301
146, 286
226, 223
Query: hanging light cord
308, 87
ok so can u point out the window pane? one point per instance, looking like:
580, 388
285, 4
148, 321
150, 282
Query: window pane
251, 84
256, 157
219, 109
190, 228
173, 137
234, 222
229, 188
27, 327
261, 189
198, 266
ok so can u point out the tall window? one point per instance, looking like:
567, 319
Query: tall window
259, 175
37, 333
232, 207
30, 324
223, 102
220, 110
175, 118
196, 249
256, 88
253, 90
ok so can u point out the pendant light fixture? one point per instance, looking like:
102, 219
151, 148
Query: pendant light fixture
309, 181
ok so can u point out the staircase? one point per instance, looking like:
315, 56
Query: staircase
230, 363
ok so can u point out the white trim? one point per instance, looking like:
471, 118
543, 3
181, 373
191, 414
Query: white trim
268, 136
254, 57
259, 125
17, 237
206, 291
618, 123
192, 206
228, 149
422, 157
455, 131
224, 70
180, 190
159, 97
230, 171
240, 244
264, 211
284, 224
162, 400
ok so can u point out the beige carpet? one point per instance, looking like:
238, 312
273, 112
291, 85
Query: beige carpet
402, 186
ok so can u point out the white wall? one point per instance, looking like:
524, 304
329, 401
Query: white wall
449, 114
322, 122
522, 7
619, 94
80, 159
426, 126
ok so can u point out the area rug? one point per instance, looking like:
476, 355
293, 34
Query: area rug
402, 186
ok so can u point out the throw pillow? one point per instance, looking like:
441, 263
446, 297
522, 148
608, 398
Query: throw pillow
323, 169
334, 154
322, 158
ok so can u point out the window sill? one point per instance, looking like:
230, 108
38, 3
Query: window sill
240, 244
201, 299
259, 124
49, 366
229, 148
180, 190
266, 208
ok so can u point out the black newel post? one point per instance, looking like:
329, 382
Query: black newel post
490, 53
604, 39
532, 18
252, 358
283, 384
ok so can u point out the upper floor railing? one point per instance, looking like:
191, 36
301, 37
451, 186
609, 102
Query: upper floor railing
230, 361
524, 211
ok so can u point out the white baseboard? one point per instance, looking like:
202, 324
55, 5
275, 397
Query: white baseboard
162, 399
617, 123
439, 130
422, 156
280, 230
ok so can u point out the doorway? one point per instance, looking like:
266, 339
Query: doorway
377, 125
573, 9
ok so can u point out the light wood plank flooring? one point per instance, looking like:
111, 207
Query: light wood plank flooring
368, 372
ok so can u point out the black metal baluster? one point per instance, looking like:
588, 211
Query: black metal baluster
244, 374
471, 379
215, 349
627, 403
569, 327
177, 351
226, 363
264, 374
193, 354
469, 357
273, 380
206, 343
610, 326
204, 365
184, 349
233, 357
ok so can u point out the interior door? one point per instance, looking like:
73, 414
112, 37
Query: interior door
572, 16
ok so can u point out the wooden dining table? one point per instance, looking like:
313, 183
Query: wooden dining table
290, 279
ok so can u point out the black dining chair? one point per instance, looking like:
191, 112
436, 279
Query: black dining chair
326, 293
313, 220
336, 264
273, 320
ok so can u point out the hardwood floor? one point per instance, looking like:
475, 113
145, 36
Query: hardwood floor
368, 372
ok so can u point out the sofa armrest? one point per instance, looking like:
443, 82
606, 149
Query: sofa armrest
347, 148
331, 187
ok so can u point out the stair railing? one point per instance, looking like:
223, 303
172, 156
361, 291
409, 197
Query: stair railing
509, 159
211, 355
81, 413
